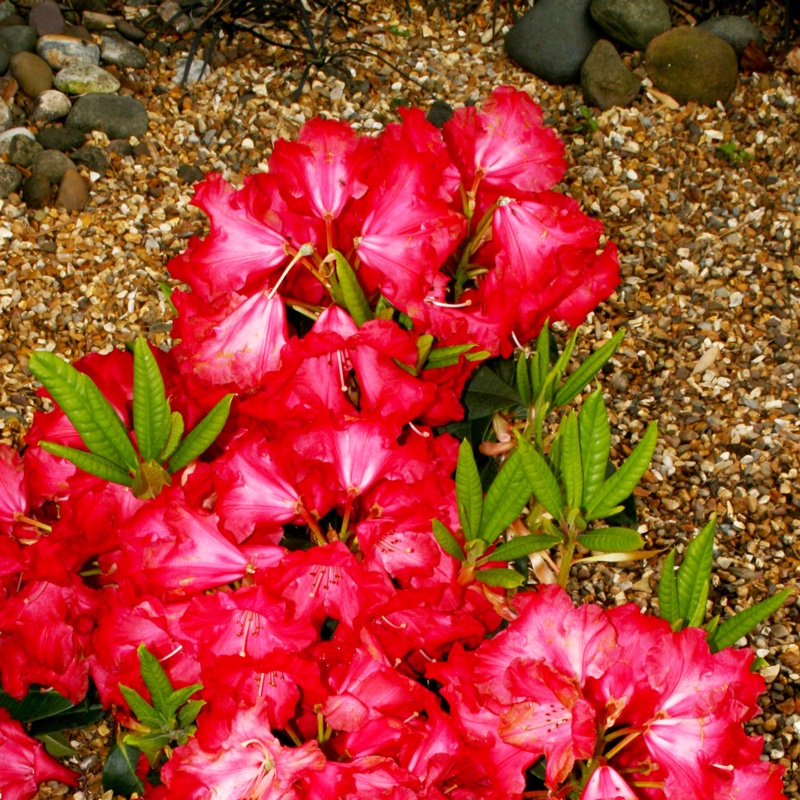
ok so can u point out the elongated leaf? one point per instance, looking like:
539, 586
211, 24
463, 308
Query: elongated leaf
497, 576
119, 770
595, 438
446, 356
561, 362
521, 546
447, 541
202, 436
424, 344
35, 705
95, 465
188, 713
181, 696
355, 301
694, 575
579, 379
85, 713
524, 380
668, 607
730, 631
539, 365
469, 494
151, 744
151, 414
173, 437
507, 496
487, 393
609, 540
571, 466
541, 480
625, 479
141, 709
94, 418
57, 745
155, 679
632, 555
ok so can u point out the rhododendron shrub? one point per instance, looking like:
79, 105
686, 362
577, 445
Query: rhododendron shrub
344, 648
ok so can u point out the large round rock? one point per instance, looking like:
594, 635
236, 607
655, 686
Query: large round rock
553, 39
119, 117
738, 32
632, 22
691, 64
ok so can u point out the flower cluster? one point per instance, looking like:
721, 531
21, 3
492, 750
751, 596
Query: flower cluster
292, 571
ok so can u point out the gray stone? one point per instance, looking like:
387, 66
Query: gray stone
738, 32
691, 64
86, 79
50, 105
18, 38
5, 115
73, 193
33, 74
129, 30
553, 39
7, 9
7, 136
46, 17
51, 163
197, 69
170, 12
10, 179
121, 53
632, 22
123, 149
189, 173
97, 20
62, 51
78, 32
36, 191
119, 117
605, 80
439, 113
56, 137
4, 59
22, 150
92, 157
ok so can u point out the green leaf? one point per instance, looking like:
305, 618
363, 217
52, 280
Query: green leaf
424, 344
87, 712
541, 480
119, 770
561, 362
141, 709
469, 494
524, 380
694, 575
167, 291
668, 607
188, 713
448, 356
571, 466
94, 418
487, 393
202, 435
155, 679
149, 480
35, 705
579, 379
507, 496
625, 479
151, 414
595, 439
730, 631
151, 744
498, 576
57, 745
612, 540
173, 437
521, 546
95, 465
181, 696
447, 541
355, 301
539, 365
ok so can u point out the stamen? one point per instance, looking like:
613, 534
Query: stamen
439, 303
342, 379
423, 434
517, 342
305, 250
173, 653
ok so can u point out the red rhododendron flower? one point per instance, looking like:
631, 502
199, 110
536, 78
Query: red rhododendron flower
606, 783
25, 764
13, 492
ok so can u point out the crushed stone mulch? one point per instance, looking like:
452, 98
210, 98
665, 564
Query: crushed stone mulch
704, 204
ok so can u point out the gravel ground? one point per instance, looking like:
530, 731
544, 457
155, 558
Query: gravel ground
709, 294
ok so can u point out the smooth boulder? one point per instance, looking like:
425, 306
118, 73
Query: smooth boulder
32, 73
553, 39
738, 32
605, 80
60, 51
119, 117
689, 64
85, 79
632, 22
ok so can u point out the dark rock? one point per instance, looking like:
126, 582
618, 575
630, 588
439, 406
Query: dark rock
122, 53
10, 179
22, 150
119, 117
439, 113
605, 80
632, 22
56, 137
50, 105
36, 191
553, 39
46, 17
97, 6
144, 149
691, 64
73, 192
188, 173
18, 38
738, 32
6, 137
32, 73
51, 163
122, 148
129, 30
7, 11
4, 58
78, 32
61, 51
6, 118
98, 21
92, 157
